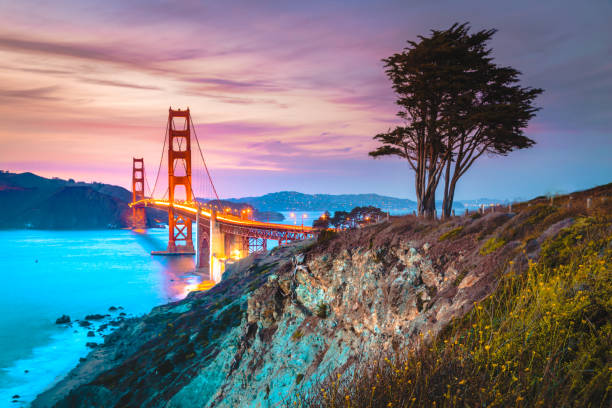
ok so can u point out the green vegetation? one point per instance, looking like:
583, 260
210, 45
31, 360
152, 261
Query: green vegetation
459, 278
450, 234
322, 310
492, 245
543, 339
343, 219
298, 334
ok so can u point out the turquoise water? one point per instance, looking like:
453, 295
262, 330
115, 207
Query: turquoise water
45, 274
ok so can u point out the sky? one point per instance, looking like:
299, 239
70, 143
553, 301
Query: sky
287, 95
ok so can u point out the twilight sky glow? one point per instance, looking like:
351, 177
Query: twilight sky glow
286, 95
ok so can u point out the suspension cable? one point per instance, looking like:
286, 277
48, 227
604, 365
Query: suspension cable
161, 159
144, 175
204, 161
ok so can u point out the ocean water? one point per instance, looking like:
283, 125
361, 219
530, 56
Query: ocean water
46, 274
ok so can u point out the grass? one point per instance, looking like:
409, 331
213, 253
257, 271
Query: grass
450, 234
543, 339
492, 245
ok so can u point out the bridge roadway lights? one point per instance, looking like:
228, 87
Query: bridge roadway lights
223, 239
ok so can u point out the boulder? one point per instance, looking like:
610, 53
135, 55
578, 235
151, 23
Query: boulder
63, 319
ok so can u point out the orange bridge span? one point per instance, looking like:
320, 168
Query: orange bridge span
220, 236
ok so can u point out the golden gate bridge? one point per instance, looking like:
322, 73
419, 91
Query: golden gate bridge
221, 235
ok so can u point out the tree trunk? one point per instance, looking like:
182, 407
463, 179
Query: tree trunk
448, 206
430, 205
418, 185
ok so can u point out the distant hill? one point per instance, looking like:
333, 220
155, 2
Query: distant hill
294, 201
31, 201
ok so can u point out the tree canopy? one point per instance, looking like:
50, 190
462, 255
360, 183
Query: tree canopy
456, 105
346, 219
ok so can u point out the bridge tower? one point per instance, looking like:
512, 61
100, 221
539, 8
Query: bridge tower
179, 174
138, 213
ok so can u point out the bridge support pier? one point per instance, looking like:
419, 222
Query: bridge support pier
224, 248
203, 250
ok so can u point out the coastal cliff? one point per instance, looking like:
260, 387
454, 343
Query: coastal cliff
282, 323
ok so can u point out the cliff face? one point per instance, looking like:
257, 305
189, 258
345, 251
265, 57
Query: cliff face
281, 322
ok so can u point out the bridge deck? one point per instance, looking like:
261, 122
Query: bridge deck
190, 210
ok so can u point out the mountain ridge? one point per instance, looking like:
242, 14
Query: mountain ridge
294, 200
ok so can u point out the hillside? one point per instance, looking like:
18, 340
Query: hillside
31, 201
501, 309
294, 201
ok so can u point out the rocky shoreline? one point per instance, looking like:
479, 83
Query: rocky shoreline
94, 326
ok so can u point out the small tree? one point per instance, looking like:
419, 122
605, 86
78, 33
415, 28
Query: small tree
323, 221
457, 105
340, 219
366, 214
